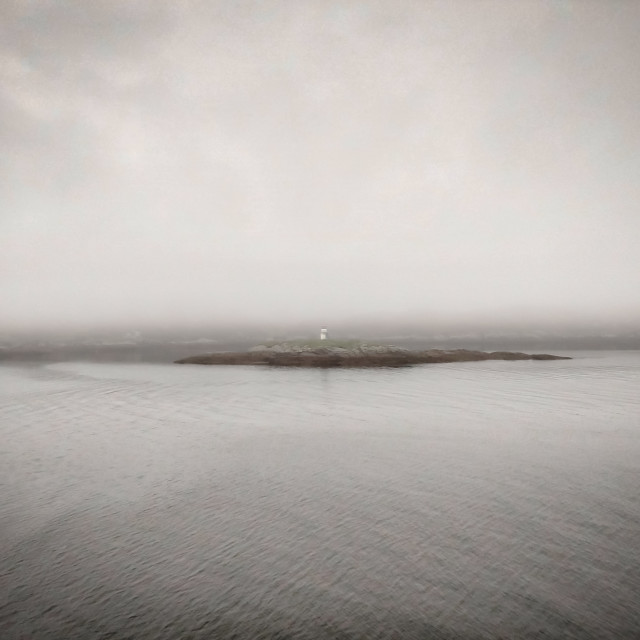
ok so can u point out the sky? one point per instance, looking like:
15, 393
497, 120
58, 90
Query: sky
315, 160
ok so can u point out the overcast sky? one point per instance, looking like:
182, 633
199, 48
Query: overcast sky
315, 160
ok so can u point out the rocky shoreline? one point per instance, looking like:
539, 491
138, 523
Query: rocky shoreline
361, 355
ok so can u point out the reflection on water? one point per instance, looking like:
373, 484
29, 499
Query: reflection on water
477, 500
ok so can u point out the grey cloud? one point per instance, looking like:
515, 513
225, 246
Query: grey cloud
296, 159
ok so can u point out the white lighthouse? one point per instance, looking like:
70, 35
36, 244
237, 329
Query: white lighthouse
323, 333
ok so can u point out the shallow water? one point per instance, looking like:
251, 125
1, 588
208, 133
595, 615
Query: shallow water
467, 500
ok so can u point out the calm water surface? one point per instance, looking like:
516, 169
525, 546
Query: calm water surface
477, 500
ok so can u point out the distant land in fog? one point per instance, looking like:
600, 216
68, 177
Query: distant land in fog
167, 344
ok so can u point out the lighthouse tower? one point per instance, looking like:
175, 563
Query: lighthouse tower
323, 333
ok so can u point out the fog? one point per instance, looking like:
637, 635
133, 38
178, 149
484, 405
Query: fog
318, 161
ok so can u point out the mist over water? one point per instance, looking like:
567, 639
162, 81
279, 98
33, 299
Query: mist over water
467, 501
183, 177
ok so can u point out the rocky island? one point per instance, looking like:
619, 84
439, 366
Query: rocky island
333, 353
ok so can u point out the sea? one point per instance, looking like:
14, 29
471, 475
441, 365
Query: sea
454, 501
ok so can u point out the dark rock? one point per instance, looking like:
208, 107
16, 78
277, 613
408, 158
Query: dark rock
362, 356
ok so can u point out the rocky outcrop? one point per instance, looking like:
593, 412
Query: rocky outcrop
361, 355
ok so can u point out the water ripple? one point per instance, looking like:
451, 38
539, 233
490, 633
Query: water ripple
469, 500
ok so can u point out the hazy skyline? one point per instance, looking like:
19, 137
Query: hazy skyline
318, 160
